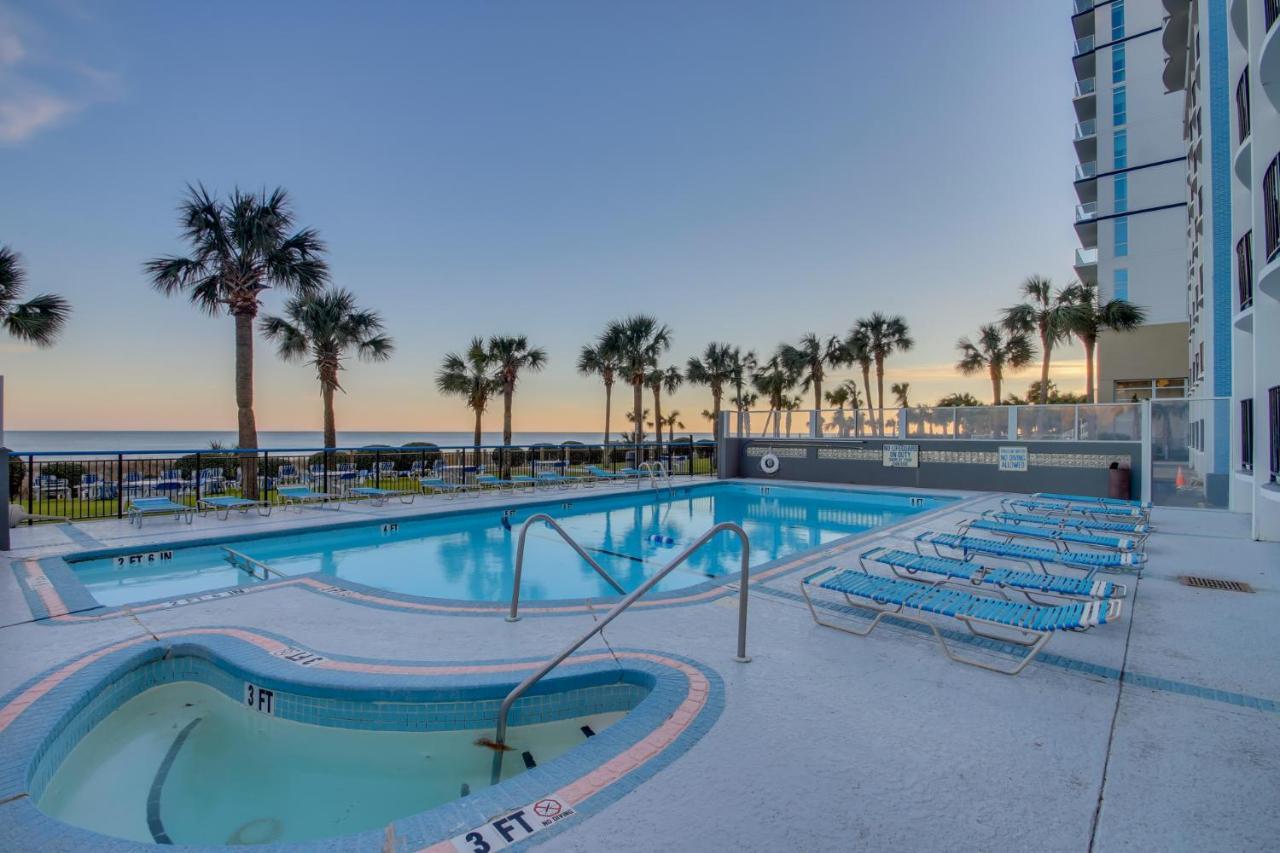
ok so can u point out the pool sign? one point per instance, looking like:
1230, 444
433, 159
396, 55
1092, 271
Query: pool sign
901, 455
513, 827
143, 558
1013, 458
260, 699
390, 527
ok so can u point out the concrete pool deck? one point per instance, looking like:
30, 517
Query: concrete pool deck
1158, 732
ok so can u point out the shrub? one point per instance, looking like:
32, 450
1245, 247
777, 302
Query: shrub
17, 473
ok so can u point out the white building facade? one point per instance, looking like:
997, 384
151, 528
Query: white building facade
1224, 56
1131, 184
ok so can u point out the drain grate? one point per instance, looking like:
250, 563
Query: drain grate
1214, 583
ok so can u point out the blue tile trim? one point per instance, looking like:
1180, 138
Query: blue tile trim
78, 599
1220, 143
1061, 661
28, 828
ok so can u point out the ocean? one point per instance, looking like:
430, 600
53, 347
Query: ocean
43, 441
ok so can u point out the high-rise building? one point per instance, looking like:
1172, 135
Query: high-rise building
1131, 183
1223, 56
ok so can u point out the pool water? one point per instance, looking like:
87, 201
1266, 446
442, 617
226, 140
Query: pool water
471, 555
221, 773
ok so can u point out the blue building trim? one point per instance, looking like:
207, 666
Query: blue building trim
1220, 139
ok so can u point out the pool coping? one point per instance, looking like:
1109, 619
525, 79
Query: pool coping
55, 595
684, 701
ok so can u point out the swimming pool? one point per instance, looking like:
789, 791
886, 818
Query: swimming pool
469, 554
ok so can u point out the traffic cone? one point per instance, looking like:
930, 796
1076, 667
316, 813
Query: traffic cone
1180, 480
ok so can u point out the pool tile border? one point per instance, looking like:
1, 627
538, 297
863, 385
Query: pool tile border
685, 699
55, 596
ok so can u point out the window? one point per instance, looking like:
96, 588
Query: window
1246, 434
1122, 236
1244, 269
1273, 409
1117, 20
1122, 284
1271, 207
1120, 184
1119, 112
1117, 63
1132, 390
1120, 149
1242, 106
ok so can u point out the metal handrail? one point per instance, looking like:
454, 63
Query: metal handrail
554, 525
234, 556
654, 469
741, 657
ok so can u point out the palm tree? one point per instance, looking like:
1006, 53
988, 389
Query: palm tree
774, 379
995, 350
508, 356
1087, 318
899, 391
1046, 313
671, 421
469, 375
858, 349
40, 319
240, 247
658, 380
599, 359
325, 327
884, 336
809, 360
714, 368
742, 365
638, 341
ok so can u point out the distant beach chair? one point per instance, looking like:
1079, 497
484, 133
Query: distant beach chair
212, 480
441, 486
1026, 625
378, 497
301, 496
139, 508
50, 486
222, 505
286, 474
604, 474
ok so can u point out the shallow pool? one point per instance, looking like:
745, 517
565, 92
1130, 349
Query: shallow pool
182, 763
470, 555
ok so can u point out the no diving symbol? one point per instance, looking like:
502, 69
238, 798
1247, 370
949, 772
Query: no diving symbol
547, 808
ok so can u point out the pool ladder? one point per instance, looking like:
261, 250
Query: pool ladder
657, 471
520, 689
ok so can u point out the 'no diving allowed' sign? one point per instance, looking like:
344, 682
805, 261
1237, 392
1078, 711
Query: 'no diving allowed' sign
514, 826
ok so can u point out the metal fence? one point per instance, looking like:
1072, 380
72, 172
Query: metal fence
100, 484
1092, 422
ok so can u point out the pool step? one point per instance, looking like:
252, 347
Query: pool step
529, 763
587, 731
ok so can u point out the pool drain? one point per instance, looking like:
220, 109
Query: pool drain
262, 830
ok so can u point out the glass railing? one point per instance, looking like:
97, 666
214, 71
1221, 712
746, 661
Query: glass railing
1085, 86
1084, 45
1087, 211
1086, 257
1086, 129
1079, 6
1085, 171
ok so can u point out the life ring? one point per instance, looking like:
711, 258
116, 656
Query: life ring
769, 463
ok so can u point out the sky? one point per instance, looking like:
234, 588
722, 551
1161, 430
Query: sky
746, 171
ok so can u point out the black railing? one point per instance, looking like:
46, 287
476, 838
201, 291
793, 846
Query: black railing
1242, 107
1271, 206
1273, 425
1270, 12
1246, 434
1244, 269
100, 484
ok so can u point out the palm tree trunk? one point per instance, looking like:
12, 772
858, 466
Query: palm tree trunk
637, 393
1089, 395
866, 386
715, 413
817, 392
671, 431
508, 392
880, 396
330, 423
1047, 349
477, 436
608, 405
248, 428
657, 417
995, 386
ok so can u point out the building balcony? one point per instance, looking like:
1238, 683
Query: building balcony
1079, 7
1086, 212
1086, 130
1087, 171
1269, 62
1239, 11
1082, 18
1087, 265
1086, 87
1243, 161
1083, 46
1085, 99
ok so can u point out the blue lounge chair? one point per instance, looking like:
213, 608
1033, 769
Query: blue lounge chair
491, 481
554, 478
1087, 561
1061, 537
602, 474
910, 565
224, 504
439, 485
1065, 510
1028, 625
300, 496
523, 482
1089, 499
139, 508
378, 497
1137, 529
